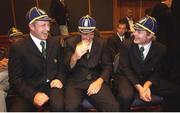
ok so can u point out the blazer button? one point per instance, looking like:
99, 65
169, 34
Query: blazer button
55, 61
47, 80
152, 69
89, 77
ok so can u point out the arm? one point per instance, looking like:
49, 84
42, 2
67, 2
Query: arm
106, 65
125, 67
15, 69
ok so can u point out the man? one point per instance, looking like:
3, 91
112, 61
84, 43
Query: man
162, 13
116, 40
141, 70
129, 20
14, 35
35, 68
89, 69
60, 14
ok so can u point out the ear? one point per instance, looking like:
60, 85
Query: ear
150, 36
31, 26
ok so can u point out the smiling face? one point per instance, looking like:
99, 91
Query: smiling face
40, 29
142, 37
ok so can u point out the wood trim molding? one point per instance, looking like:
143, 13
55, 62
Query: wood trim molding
13, 13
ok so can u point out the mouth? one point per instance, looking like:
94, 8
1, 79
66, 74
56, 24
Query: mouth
45, 33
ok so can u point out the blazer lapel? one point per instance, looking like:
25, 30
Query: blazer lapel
151, 52
49, 46
32, 45
136, 52
95, 49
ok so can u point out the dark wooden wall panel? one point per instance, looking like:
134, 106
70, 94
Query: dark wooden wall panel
21, 7
6, 18
45, 5
102, 11
77, 9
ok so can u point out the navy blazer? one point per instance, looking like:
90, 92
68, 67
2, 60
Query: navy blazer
114, 44
29, 72
98, 65
138, 71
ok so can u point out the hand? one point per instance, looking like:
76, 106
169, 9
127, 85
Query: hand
142, 92
56, 83
147, 89
148, 94
95, 87
40, 99
3, 64
81, 49
145, 94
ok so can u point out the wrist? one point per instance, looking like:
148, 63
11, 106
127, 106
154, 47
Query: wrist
147, 84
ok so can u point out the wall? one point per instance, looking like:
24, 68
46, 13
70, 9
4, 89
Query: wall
106, 12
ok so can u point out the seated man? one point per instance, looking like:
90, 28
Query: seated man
141, 69
115, 42
34, 68
13, 34
89, 68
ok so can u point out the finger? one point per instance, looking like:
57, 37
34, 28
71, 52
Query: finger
89, 91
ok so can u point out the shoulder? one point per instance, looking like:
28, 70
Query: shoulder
21, 42
128, 43
72, 40
100, 40
159, 46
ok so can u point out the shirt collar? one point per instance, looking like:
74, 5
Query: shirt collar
37, 42
145, 46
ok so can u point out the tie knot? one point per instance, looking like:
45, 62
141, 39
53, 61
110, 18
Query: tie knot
42, 43
43, 50
141, 49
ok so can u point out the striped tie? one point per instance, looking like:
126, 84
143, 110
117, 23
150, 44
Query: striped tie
42, 43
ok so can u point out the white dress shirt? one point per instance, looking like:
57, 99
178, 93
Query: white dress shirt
146, 49
37, 42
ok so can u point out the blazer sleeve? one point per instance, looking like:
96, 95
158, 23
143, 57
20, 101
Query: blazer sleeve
61, 72
160, 67
106, 63
125, 66
68, 52
15, 70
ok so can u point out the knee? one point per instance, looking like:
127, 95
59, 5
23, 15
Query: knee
114, 107
57, 107
71, 107
125, 96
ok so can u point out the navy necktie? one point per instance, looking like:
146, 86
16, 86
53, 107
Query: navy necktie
141, 51
42, 43
87, 54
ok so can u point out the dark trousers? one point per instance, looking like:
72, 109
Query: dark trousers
103, 100
16, 103
125, 93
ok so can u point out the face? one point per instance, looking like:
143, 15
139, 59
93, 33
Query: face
88, 37
40, 29
121, 29
142, 37
15, 39
129, 13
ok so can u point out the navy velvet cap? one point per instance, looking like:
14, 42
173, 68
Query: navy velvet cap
147, 23
87, 24
36, 14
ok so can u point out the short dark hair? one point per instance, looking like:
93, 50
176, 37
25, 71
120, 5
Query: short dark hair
122, 21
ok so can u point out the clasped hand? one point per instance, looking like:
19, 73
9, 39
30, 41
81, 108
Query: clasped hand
81, 49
